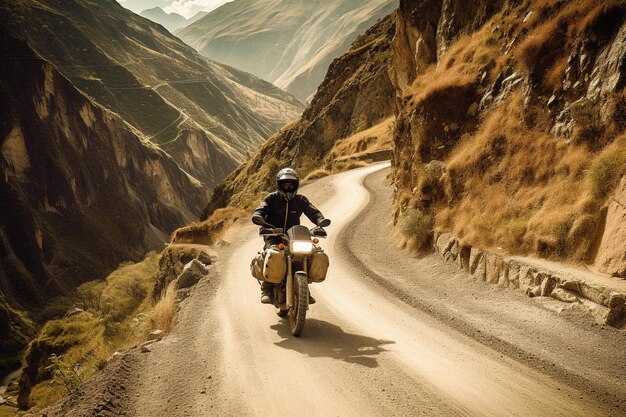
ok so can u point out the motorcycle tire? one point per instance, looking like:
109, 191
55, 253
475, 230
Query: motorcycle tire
281, 313
297, 314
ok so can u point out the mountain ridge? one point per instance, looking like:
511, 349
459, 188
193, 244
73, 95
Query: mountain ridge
290, 43
177, 99
171, 21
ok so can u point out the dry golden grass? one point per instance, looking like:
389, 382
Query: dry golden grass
553, 30
208, 231
164, 312
361, 144
507, 182
518, 188
85, 341
317, 174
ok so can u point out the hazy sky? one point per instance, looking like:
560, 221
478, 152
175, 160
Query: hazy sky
185, 7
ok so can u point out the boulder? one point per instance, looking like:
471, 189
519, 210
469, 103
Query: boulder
548, 285
496, 270
204, 257
526, 277
464, 257
514, 268
192, 273
593, 293
453, 250
564, 295
156, 335
611, 257
616, 300
443, 243
604, 315
477, 264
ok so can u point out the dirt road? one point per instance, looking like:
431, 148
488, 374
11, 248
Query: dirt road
394, 336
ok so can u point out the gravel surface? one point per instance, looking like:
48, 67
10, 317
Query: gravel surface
391, 334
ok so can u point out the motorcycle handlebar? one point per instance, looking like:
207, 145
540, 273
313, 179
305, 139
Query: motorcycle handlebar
272, 231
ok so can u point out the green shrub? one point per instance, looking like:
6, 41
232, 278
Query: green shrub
605, 173
416, 227
64, 374
90, 294
126, 288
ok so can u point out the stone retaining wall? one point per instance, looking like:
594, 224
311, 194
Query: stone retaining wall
607, 306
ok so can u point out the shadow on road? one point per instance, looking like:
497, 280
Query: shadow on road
323, 339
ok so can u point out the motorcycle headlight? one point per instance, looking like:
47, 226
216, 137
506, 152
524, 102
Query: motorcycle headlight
301, 246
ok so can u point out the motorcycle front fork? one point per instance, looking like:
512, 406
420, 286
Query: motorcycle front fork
289, 286
289, 289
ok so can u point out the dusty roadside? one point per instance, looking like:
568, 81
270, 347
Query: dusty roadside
554, 337
391, 333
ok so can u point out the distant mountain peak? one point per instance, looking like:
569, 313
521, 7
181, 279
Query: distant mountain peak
171, 21
289, 43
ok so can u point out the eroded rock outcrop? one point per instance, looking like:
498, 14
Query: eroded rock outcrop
611, 256
81, 192
207, 116
522, 105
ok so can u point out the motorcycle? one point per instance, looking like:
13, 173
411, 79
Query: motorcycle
299, 246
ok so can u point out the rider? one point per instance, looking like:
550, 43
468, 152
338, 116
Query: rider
283, 208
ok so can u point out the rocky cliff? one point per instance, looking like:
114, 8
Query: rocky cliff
355, 95
510, 126
288, 42
209, 117
80, 190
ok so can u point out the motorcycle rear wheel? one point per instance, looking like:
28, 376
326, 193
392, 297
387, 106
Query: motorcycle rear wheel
297, 314
281, 313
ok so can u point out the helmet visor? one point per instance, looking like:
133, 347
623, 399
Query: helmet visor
287, 186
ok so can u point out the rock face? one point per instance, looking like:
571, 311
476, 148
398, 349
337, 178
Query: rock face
523, 105
611, 257
288, 42
355, 95
81, 191
207, 116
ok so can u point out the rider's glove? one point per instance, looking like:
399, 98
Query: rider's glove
323, 222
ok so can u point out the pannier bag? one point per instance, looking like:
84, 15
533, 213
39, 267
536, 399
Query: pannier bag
319, 265
256, 266
274, 266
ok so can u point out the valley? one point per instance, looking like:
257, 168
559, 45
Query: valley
470, 156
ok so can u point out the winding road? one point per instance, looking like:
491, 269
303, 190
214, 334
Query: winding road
389, 335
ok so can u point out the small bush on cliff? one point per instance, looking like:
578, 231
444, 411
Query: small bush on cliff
417, 228
606, 172
127, 287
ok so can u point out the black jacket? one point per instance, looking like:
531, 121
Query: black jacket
273, 209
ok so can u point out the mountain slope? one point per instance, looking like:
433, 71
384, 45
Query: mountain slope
206, 115
170, 21
81, 191
288, 42
511, 125
355, 96
510, 128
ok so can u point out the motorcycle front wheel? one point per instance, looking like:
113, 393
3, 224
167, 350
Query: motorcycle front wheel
297, 314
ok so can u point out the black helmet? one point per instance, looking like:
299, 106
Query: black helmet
287, 183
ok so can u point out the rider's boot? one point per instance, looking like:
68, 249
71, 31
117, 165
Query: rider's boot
266, 292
